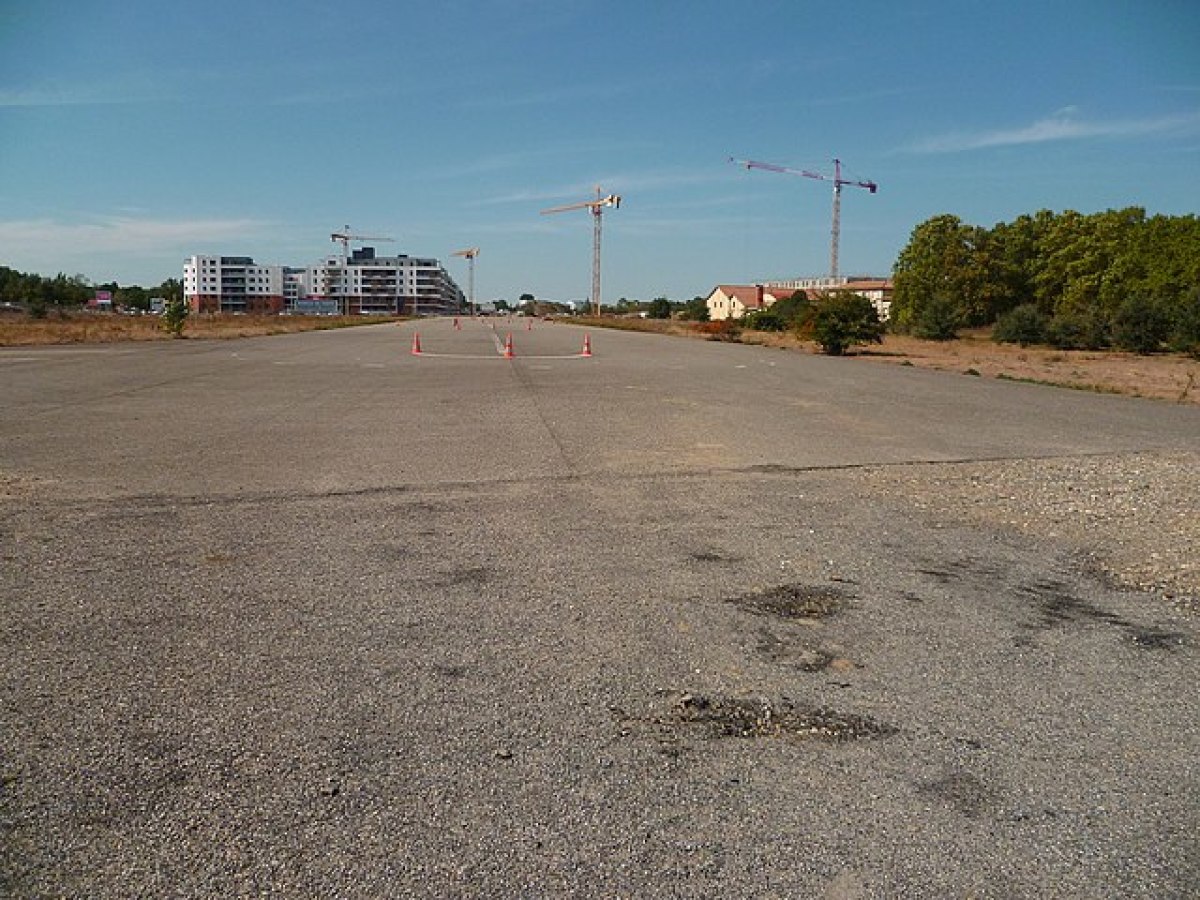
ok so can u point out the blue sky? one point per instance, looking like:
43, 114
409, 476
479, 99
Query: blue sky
134, 133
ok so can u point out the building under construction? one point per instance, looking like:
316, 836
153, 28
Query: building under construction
358, 284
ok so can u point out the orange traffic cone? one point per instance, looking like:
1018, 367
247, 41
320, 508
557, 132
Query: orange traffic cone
529, 324
416, 348
508, 347
457, 327
587, 345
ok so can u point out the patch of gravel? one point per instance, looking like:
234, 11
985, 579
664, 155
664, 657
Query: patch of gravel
19, 487
1136, 515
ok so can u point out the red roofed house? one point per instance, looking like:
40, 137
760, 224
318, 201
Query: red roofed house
732, 301
877, 290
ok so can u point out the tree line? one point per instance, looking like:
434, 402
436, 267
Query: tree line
38, 293
1113, 278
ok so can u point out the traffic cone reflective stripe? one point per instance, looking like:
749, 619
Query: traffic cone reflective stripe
587, 345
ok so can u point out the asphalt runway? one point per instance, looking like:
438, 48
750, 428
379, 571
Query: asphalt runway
312, 615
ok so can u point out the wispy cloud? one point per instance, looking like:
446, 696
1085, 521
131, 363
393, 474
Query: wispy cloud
124, 234
58, 95
107, 88
1063, 125
612, 182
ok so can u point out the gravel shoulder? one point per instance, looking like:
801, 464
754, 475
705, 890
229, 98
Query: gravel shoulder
1134, 515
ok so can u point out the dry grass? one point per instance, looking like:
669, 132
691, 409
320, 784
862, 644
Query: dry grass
1163, 376
106, 328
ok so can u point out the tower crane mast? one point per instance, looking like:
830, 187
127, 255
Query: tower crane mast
597, 207
469, 255
838, 183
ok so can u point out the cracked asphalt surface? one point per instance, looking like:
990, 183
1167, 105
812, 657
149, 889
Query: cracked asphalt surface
312, 616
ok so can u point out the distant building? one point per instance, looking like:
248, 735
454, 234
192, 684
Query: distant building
231, 284
733, 301
363, 284
384, 285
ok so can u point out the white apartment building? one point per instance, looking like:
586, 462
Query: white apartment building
361, 284
383, 285
232, 284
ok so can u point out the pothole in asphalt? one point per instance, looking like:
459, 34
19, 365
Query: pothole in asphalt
734, 717
806, 659
794, 601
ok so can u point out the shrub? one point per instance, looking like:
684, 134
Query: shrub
1140, 325
1022, 325
765, 320
938, 319
1185, 328
721, 329
174, 316
844, 320
1078, 331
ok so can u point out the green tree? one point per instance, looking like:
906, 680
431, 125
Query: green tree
793, 310
174, 317
660, 308
170, 289
1185, 327
1088, 261
695, 310
133, 297
945, 260
843, 320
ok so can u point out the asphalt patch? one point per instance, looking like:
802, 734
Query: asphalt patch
794, 601
757, 717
